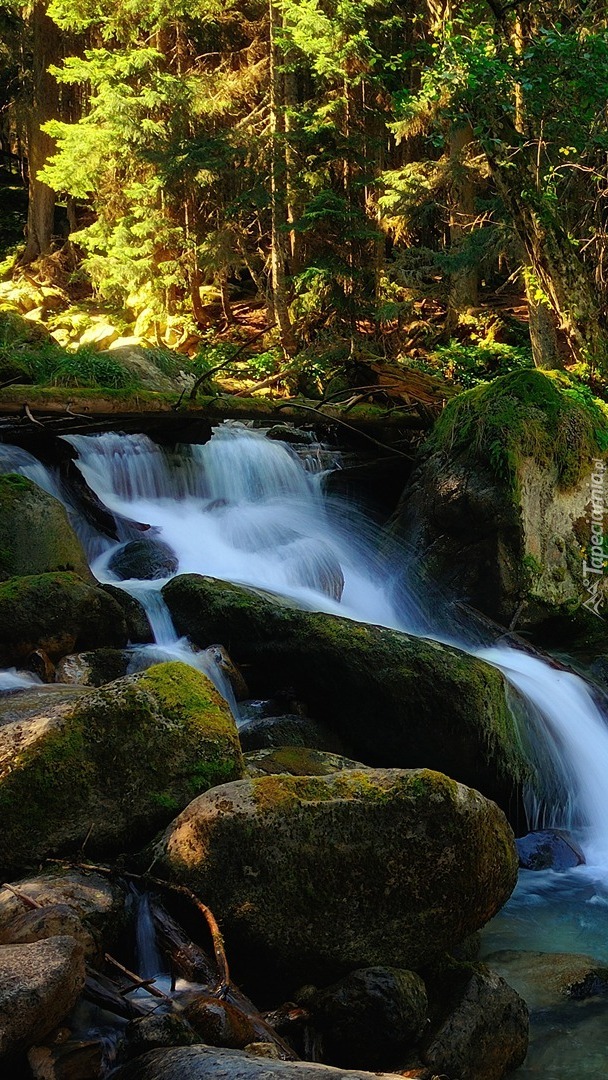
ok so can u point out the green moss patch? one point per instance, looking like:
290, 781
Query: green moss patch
549, 417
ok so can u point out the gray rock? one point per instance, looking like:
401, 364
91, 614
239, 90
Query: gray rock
316, 876
485, 1033
144, 559
550, 849
39, 985
207, 1063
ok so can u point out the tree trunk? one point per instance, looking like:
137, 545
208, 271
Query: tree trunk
46, 44
277, 200
543, 335
463, 283
561, 273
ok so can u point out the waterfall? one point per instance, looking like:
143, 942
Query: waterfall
251, 510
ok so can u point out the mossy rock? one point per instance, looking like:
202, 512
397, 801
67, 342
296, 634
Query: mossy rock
498, 511
59, 613
35, 534
113, 766
95, 668
396, 699
316, 876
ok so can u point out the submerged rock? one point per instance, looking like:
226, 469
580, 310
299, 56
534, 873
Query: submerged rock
316, 876
112, 766
371, 1017
59, 613
211, 1063
551, 849
39, 985
547, 980
144, 559
397, 699
35, 534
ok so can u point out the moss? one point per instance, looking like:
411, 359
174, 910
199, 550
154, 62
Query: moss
119, 762
549, 417
35, 534
398, 700
58, 612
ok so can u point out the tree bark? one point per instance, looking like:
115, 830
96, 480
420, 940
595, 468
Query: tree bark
46, 47
277, 200
463, 283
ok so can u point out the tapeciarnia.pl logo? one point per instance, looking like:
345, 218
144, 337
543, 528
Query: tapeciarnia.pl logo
593, 570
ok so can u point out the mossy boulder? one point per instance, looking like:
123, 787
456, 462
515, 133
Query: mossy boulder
35, 533
113, 765
498, 511
317, 876
59, 613
95, 668
397, 700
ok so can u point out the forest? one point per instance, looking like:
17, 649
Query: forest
317, 185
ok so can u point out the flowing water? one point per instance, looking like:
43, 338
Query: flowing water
251, 510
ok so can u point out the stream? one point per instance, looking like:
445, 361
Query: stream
252, 510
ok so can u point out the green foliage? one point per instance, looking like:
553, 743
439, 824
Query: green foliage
469, 364
36, 358
551, 418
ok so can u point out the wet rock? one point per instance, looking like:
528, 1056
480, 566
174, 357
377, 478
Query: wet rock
483, 1035
145, 560
59, 613
35, 534
159, 1029
313, 565
235, 677
297, 761
218, 1023
40, 664
39, 985
95, 668
551, 849
56, 920
112, 766
93, 900
316, 876
370, 1017
270, 732
396, 699
211, 1063
139, 631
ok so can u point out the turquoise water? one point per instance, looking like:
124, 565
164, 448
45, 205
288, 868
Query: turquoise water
554, 928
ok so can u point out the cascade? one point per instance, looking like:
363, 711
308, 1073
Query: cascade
252, 510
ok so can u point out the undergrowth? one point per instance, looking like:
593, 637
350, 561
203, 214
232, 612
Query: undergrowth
27, 355
550, 417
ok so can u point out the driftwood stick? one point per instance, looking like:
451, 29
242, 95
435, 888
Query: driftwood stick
27, 901
335, 420
143, 984
28, 413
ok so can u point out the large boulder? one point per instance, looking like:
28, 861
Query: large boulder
112, 765
394, 698
35, 534
39, 985
58, 613
499, 511
321, 875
